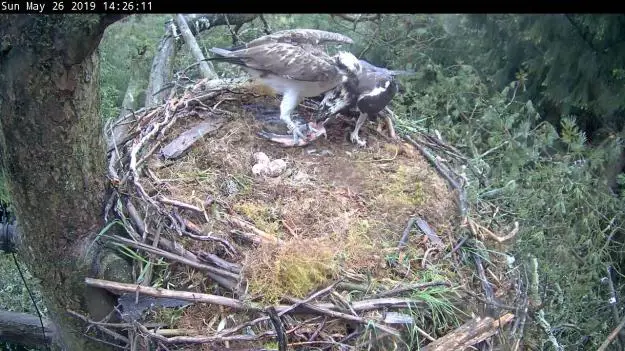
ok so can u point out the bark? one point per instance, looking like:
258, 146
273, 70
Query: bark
25, 329
54, 157
472, 332
206, 68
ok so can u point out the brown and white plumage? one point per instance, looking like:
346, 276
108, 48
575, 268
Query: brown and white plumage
291, 70
369, 92
313, 37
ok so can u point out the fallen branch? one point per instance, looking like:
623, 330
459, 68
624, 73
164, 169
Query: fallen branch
472, 332
175, 257
174, 294
248, 226
349, 317
201, 339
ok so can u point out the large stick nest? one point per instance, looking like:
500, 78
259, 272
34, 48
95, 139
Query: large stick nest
318, 237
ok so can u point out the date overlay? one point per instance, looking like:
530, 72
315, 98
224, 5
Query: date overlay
51, 7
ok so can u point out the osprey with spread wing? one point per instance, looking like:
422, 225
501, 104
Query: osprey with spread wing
369, 92
293, 65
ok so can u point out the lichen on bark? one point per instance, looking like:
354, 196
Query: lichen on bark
54, 153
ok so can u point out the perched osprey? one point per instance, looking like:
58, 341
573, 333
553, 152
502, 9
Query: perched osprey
369, 92
293, 71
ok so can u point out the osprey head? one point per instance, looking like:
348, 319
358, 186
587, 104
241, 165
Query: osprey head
348, 65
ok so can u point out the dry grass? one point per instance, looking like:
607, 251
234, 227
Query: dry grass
339, 212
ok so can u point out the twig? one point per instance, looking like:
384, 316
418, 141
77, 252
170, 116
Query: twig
486, 285
100, 327
400, 289
176, 258
404, 237
244, 225
462, 201
278, 327
220, 262
612, 336
266, 27
311, 297
456, 248
179, 204
201, 339
342, 315
182, 295
199, 235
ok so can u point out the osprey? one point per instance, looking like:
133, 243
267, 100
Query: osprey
294, 66
369, 92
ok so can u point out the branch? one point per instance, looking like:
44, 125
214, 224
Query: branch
182, 295
612, 336
359, 17
25, 329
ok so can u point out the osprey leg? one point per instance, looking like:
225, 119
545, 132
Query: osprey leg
354, 135
287, 106
391, 129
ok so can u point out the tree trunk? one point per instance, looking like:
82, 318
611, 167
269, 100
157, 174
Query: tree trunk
161, 69
206, 68
54, 156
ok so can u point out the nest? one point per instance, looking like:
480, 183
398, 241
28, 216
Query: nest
314, 253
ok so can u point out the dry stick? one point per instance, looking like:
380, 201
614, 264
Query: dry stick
317, 294
278, 327
201, 339
612, 336
493, 303
199, 235
176, 258
175, 332
100, 327
179, 204
401, 289
614, 300
404, 237
461, 192
283, 311
319, 328
147, 279
182, 252
486, 285
134, 216
244, 225
219, 262
165, 293
342, 315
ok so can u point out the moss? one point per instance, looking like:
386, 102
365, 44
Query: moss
403, 188
263, 217
293, 269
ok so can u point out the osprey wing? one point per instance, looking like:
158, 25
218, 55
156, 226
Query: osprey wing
288, 61
301, 36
